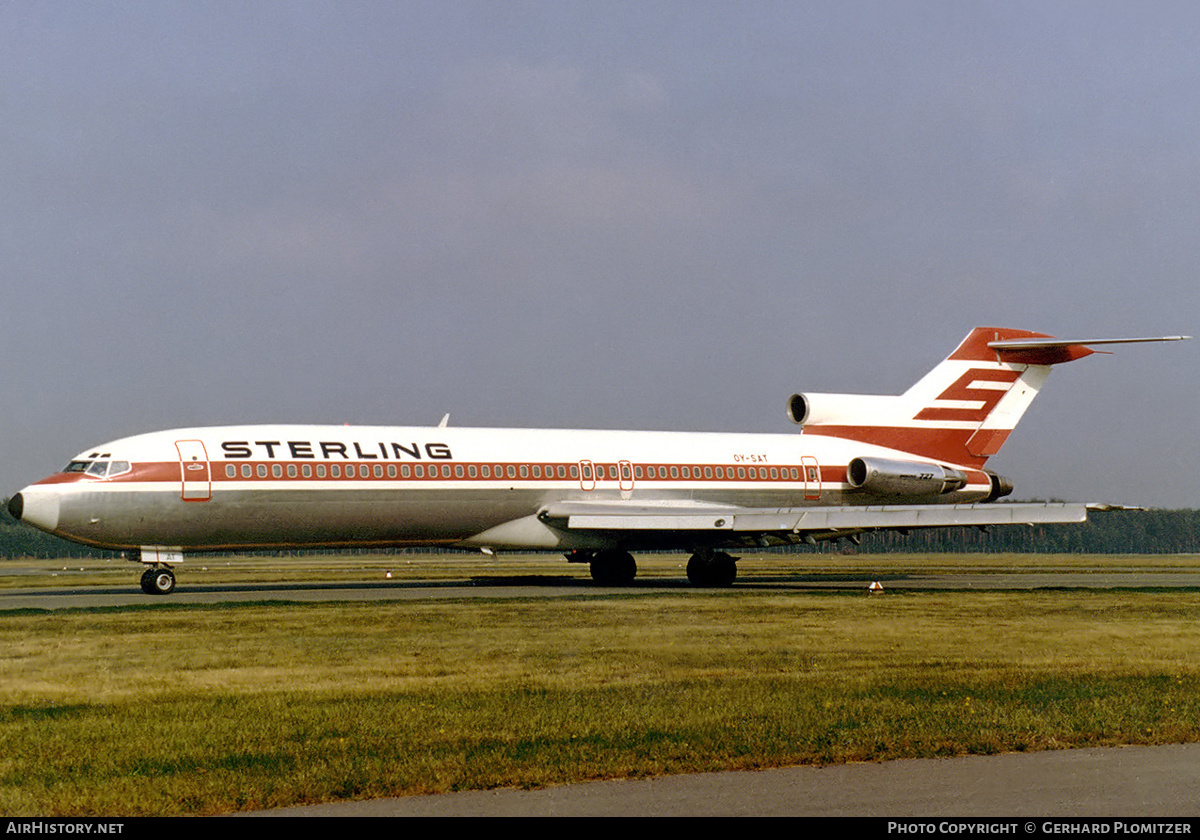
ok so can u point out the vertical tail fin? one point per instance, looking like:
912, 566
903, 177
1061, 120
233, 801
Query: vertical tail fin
964, 409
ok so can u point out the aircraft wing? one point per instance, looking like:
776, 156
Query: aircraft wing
817, 522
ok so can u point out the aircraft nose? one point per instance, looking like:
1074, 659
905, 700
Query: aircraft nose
37, 507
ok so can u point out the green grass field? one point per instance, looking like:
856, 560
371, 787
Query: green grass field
172, 709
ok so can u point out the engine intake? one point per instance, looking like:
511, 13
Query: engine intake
887, 477
798, 409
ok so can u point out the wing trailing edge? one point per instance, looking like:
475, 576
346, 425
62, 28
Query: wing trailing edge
806, 520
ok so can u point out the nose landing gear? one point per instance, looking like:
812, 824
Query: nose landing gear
159, 577
160, 581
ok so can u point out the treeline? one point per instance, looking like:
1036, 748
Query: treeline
1111, 532
1105, 532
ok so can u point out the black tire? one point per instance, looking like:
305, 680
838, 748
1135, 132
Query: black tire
712, 570
724, 569
158, 581
613, 568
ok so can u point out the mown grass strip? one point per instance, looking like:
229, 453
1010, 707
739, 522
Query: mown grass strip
204, 710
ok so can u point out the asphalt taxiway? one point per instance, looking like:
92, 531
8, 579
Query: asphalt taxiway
551, 585
1158, 783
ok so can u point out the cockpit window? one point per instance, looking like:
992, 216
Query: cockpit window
98, 469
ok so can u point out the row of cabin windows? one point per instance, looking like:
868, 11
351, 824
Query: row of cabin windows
403, 471
349, 471
599, 472
775, 473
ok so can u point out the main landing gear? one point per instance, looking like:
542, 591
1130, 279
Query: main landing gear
613, 567
712, 568
610, 566
616, 567
160, 581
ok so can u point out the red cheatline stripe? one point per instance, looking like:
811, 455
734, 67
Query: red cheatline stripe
169, 472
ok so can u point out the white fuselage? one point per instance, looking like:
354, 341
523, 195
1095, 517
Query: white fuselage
309, 486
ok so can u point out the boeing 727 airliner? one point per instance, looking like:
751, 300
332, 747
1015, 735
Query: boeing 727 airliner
862, 463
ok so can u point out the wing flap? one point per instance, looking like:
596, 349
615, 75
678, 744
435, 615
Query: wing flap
803, 520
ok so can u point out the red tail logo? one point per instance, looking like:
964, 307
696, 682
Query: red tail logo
961, 389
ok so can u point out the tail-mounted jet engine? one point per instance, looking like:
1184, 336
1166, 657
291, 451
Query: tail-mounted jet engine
887, 477
1001, 486
797, 409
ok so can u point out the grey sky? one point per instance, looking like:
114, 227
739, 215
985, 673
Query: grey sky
616, 215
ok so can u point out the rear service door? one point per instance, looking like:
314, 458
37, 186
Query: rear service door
812, 477
193, 471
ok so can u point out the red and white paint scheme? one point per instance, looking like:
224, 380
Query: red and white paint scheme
862, 463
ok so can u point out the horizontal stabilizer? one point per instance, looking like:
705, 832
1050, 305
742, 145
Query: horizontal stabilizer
1049, 351
963, 410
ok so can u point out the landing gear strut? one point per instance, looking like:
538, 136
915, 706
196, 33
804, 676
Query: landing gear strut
160, 581
709, 568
